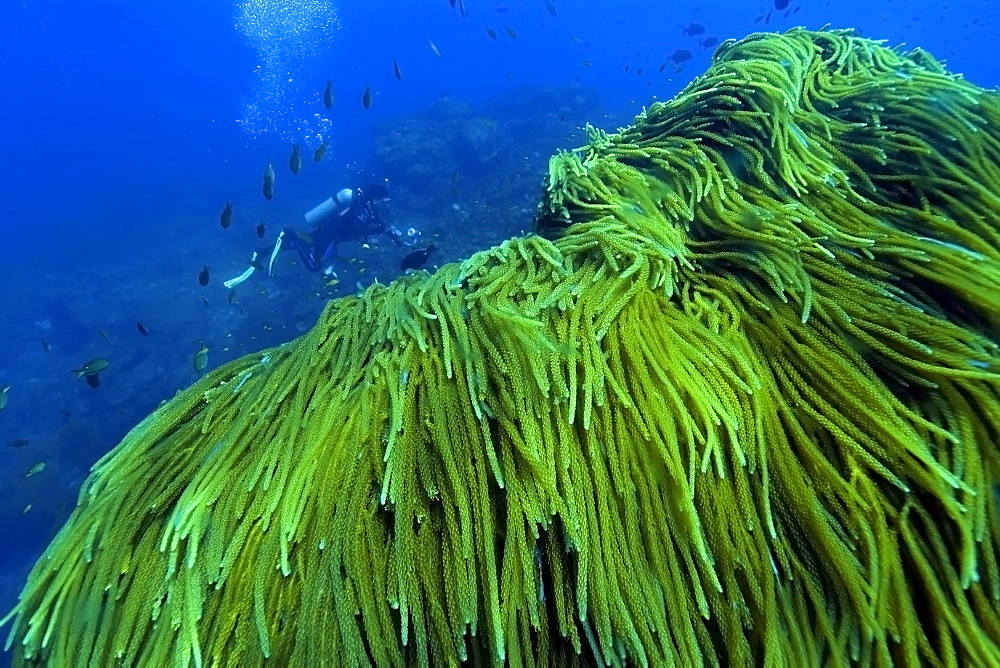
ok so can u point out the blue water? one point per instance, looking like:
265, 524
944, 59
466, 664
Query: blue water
126, 126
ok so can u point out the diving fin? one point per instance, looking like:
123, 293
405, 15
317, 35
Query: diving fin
254, 264
275, 252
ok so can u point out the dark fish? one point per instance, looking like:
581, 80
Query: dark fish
366, 97
227, 216
142, 328
93, 380
709, 42
681, 56
320, 152
695, 29
417, 258
104, 335
434, 48
452, 3
780, 4
551, 8
46, 346
398, 73
510, 32
328, 94
461, 8
260, 230
204, 300
491, 32
18, 443
269, 182
203, 276
295, 160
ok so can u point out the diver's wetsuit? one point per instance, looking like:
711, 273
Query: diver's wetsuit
354, 221
359, 220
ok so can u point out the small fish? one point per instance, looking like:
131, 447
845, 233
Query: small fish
695, 29
320, 152
269, 182
709, 42
18, 443
203, 276
261, 230
491, 32
510, 32
227, 216
366, 97
461, 8
295, 160
231, 297
332, 282
46, 346
780, 4
102, 333
26, 509
436, 51
201, 358
417, 258
204, 299
36, 469
398, 73
551, 8
328, 95
142, 328
92, 367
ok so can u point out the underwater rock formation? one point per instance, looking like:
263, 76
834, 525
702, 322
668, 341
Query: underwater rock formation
736, 404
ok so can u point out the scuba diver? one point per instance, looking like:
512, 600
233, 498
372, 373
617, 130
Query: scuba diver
350, 215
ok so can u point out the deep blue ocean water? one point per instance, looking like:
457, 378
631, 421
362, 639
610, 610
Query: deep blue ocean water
125, 127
